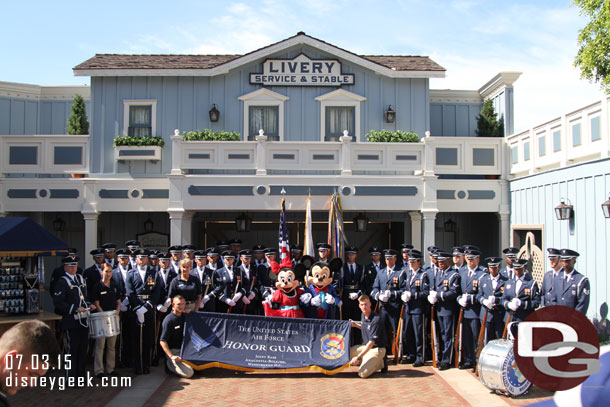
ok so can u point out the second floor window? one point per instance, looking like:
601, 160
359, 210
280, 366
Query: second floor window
339, 119
265, 118
140, 121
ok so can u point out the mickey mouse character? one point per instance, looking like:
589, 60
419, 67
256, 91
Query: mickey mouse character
288, 297
325, 300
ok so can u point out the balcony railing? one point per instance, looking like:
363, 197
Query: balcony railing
579, 136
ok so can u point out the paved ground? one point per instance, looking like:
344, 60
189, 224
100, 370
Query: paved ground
423, 386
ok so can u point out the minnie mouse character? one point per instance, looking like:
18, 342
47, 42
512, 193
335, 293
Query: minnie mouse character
288, 297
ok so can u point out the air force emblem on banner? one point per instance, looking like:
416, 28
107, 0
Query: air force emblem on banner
200, 343
332, 346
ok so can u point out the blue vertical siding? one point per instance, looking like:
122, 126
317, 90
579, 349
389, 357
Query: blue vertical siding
534, 198
454, 119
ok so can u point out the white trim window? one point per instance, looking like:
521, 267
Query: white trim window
339, 111
140, 118
264, 110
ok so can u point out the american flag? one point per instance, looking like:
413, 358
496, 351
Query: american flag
283, 233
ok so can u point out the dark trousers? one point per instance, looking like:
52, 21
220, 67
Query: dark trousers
445, 327
413, 336
76, 342
142, 336
494, 329
470, 336
124, 346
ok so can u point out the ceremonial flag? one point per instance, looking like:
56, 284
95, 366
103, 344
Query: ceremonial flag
308, 246
283, 233
336, 235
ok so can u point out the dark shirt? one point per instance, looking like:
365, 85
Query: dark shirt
188, 289
107, 296
172, 330
373, 330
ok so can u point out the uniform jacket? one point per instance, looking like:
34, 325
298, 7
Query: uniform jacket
228, 284
573, 293
486, 290
368, 279
351, 282
68, 297
418, 284
395, 282
528, 294
143, 293
470, 288
447, 287
119, 282
165, 284
546, 290
92, 276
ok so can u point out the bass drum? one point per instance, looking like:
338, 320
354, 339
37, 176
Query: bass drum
498, 369
104, 324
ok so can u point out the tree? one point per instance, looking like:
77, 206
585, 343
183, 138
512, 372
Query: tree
593, 57
77, 122
487, 122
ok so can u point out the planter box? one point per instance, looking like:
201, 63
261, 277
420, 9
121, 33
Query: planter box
137, 153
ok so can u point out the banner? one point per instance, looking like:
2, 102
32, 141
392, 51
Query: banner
308, 246
257, 343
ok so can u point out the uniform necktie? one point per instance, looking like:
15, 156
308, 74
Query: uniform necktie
351, 266
519, 284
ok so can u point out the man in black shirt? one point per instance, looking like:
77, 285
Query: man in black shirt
370, 356
172, 333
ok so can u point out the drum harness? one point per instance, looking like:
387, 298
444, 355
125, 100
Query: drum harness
79, 316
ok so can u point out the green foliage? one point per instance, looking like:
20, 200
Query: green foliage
209, 135
594, 42
138, 141
388, 136
487, 122
77, 121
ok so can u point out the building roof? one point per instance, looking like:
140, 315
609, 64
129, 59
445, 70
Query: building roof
104, 62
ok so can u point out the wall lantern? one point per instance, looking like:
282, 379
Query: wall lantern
243, 222
450, 226
214, 114
390, 115
606, 208
563, 211
59, 224
361, 222
148, 225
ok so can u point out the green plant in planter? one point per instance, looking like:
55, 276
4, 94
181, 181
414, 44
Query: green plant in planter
209, 135
487, 122
388, 136
138, 141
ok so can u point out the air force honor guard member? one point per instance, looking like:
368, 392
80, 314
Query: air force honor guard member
93, 274
248, 278
351, 276
521, 296
445, 290
471, 324
571, 288
417, 288
144, 292
546, 291
70, 300
491, 287
388, 287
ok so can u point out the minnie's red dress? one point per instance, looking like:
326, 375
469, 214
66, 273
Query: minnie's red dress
289, 304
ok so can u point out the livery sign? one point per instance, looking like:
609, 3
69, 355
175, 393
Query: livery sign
259, 343
302, 71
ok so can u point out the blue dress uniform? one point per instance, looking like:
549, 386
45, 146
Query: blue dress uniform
119, 276
59, 272
142, 293
527, 296
231, 285
391, 280
249, 286
93, 274
471, 324
370, 274
417, 285
351, 277
571, 289
546, 290
447, 288
492, 288
69, 295
164, 278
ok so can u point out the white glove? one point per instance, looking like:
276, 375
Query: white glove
316, 301
406, 296
205, 299
492, 299
230, 303
432, 298
140, 314
245, 300
353, 296
124, 304
236, 297
463, 301
512, 306
161, 308
251, 295
167, 303
517, 302
433, 293
487, 303
305, 298
330, 299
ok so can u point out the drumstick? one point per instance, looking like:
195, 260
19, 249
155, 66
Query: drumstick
481, 339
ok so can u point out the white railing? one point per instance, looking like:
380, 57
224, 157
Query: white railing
44, 154
433, 155
578, 136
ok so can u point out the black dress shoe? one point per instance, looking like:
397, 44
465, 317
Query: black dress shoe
99, 375
404, 361
114, 373
418, 364
138, 372
155, 362
146, 370
464, 366
443, 366
384, 369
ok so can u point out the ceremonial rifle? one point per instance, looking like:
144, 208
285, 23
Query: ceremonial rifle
457, 342
251, 288
235, 293
508, 318
434, 344
397, 345
481, 339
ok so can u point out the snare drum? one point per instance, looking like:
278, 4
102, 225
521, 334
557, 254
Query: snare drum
498, 370
104, 324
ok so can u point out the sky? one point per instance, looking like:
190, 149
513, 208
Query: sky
473, 40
